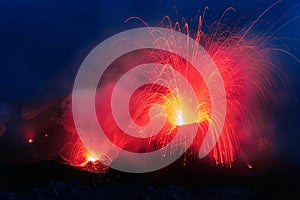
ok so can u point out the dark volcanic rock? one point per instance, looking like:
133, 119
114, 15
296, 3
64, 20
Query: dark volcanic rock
77, 190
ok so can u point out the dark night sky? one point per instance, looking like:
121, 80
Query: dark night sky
42, 44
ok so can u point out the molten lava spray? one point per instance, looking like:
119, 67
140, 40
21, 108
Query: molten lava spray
248, 73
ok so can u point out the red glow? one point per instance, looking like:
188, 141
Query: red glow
246, 69
249, 166
30, 140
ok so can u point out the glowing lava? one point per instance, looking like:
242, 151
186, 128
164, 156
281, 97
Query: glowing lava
30, 140
179, 118
91, 158
248, 73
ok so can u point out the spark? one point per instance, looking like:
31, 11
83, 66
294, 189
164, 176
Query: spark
30, 140
250, 166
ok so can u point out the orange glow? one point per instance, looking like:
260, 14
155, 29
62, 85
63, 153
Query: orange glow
178, 112
30, 140
91, 159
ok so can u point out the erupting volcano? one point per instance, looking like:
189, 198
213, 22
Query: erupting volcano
247, 69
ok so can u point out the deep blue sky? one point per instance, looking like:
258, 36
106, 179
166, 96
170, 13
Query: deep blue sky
42, 43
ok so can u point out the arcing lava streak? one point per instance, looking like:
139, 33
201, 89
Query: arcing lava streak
157, 75
245, 68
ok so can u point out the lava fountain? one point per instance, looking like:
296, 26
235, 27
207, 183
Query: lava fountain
248, 72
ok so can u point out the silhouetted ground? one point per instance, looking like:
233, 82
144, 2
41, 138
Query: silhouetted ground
54, 180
